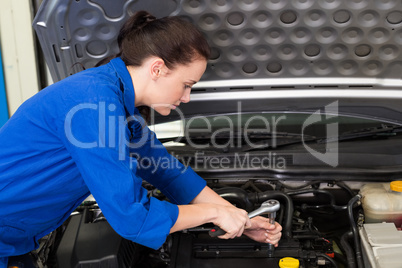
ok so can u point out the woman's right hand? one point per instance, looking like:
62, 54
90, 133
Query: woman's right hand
209, 207
229, 218
232, 220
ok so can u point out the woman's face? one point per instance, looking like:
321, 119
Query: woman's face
174, 86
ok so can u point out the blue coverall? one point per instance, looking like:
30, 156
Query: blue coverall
81, 136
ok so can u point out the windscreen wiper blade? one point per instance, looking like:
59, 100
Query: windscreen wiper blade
278, 141
383, 131
201, 136
267, 138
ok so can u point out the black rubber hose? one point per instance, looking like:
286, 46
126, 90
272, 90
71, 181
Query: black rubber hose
350, 254
346, 188
324, 192
339, 258
236, 196
356, 239
328, 259
282, 198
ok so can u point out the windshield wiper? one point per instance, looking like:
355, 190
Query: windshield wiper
277, 140
273, 140
266, 139
202, 136
380, 131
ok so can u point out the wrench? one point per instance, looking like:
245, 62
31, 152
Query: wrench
270, 206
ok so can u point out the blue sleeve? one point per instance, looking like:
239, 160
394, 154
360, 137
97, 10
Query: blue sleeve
155, 165
95, 135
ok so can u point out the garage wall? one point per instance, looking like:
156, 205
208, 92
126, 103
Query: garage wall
3, 99
18, 51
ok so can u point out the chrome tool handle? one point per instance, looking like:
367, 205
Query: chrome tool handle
270, 206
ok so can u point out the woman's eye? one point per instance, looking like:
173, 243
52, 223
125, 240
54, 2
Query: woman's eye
187, 86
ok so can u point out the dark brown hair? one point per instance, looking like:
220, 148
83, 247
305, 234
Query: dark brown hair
174, 40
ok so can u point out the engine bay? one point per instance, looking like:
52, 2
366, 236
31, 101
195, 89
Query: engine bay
319, 220
303, 239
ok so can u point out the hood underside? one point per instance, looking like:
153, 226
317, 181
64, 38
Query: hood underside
270, 54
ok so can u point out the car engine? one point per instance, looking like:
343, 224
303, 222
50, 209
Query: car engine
316, 217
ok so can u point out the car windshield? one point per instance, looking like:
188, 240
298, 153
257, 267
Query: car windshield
238, 129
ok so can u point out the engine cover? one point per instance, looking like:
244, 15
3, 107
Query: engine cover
89, 243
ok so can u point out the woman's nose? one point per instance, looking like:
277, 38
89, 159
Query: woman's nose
186, 96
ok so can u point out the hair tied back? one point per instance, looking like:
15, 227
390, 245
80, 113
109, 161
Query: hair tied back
136, 22
141, 19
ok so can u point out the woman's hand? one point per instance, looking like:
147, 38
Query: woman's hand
264, 232
229, 218
208, 206
232, 220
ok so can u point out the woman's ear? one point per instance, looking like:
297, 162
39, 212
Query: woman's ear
157, 68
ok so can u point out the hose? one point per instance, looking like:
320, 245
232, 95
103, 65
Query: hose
339, 258
236, 196
345, 187
353, 225
348, 249
328, 259
317, 191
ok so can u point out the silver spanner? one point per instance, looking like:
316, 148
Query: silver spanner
270, 207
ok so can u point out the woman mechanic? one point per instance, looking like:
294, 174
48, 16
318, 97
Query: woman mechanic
76, 136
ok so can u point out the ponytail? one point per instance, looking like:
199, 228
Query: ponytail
139, 20
136, 22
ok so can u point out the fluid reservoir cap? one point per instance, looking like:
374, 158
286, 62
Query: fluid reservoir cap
289, 262
396, 186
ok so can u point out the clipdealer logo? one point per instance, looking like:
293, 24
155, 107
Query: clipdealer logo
112, 132
331, 154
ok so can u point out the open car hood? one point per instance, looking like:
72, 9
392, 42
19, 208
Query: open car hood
270, 55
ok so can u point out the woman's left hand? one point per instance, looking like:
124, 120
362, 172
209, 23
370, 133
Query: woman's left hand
264, 232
